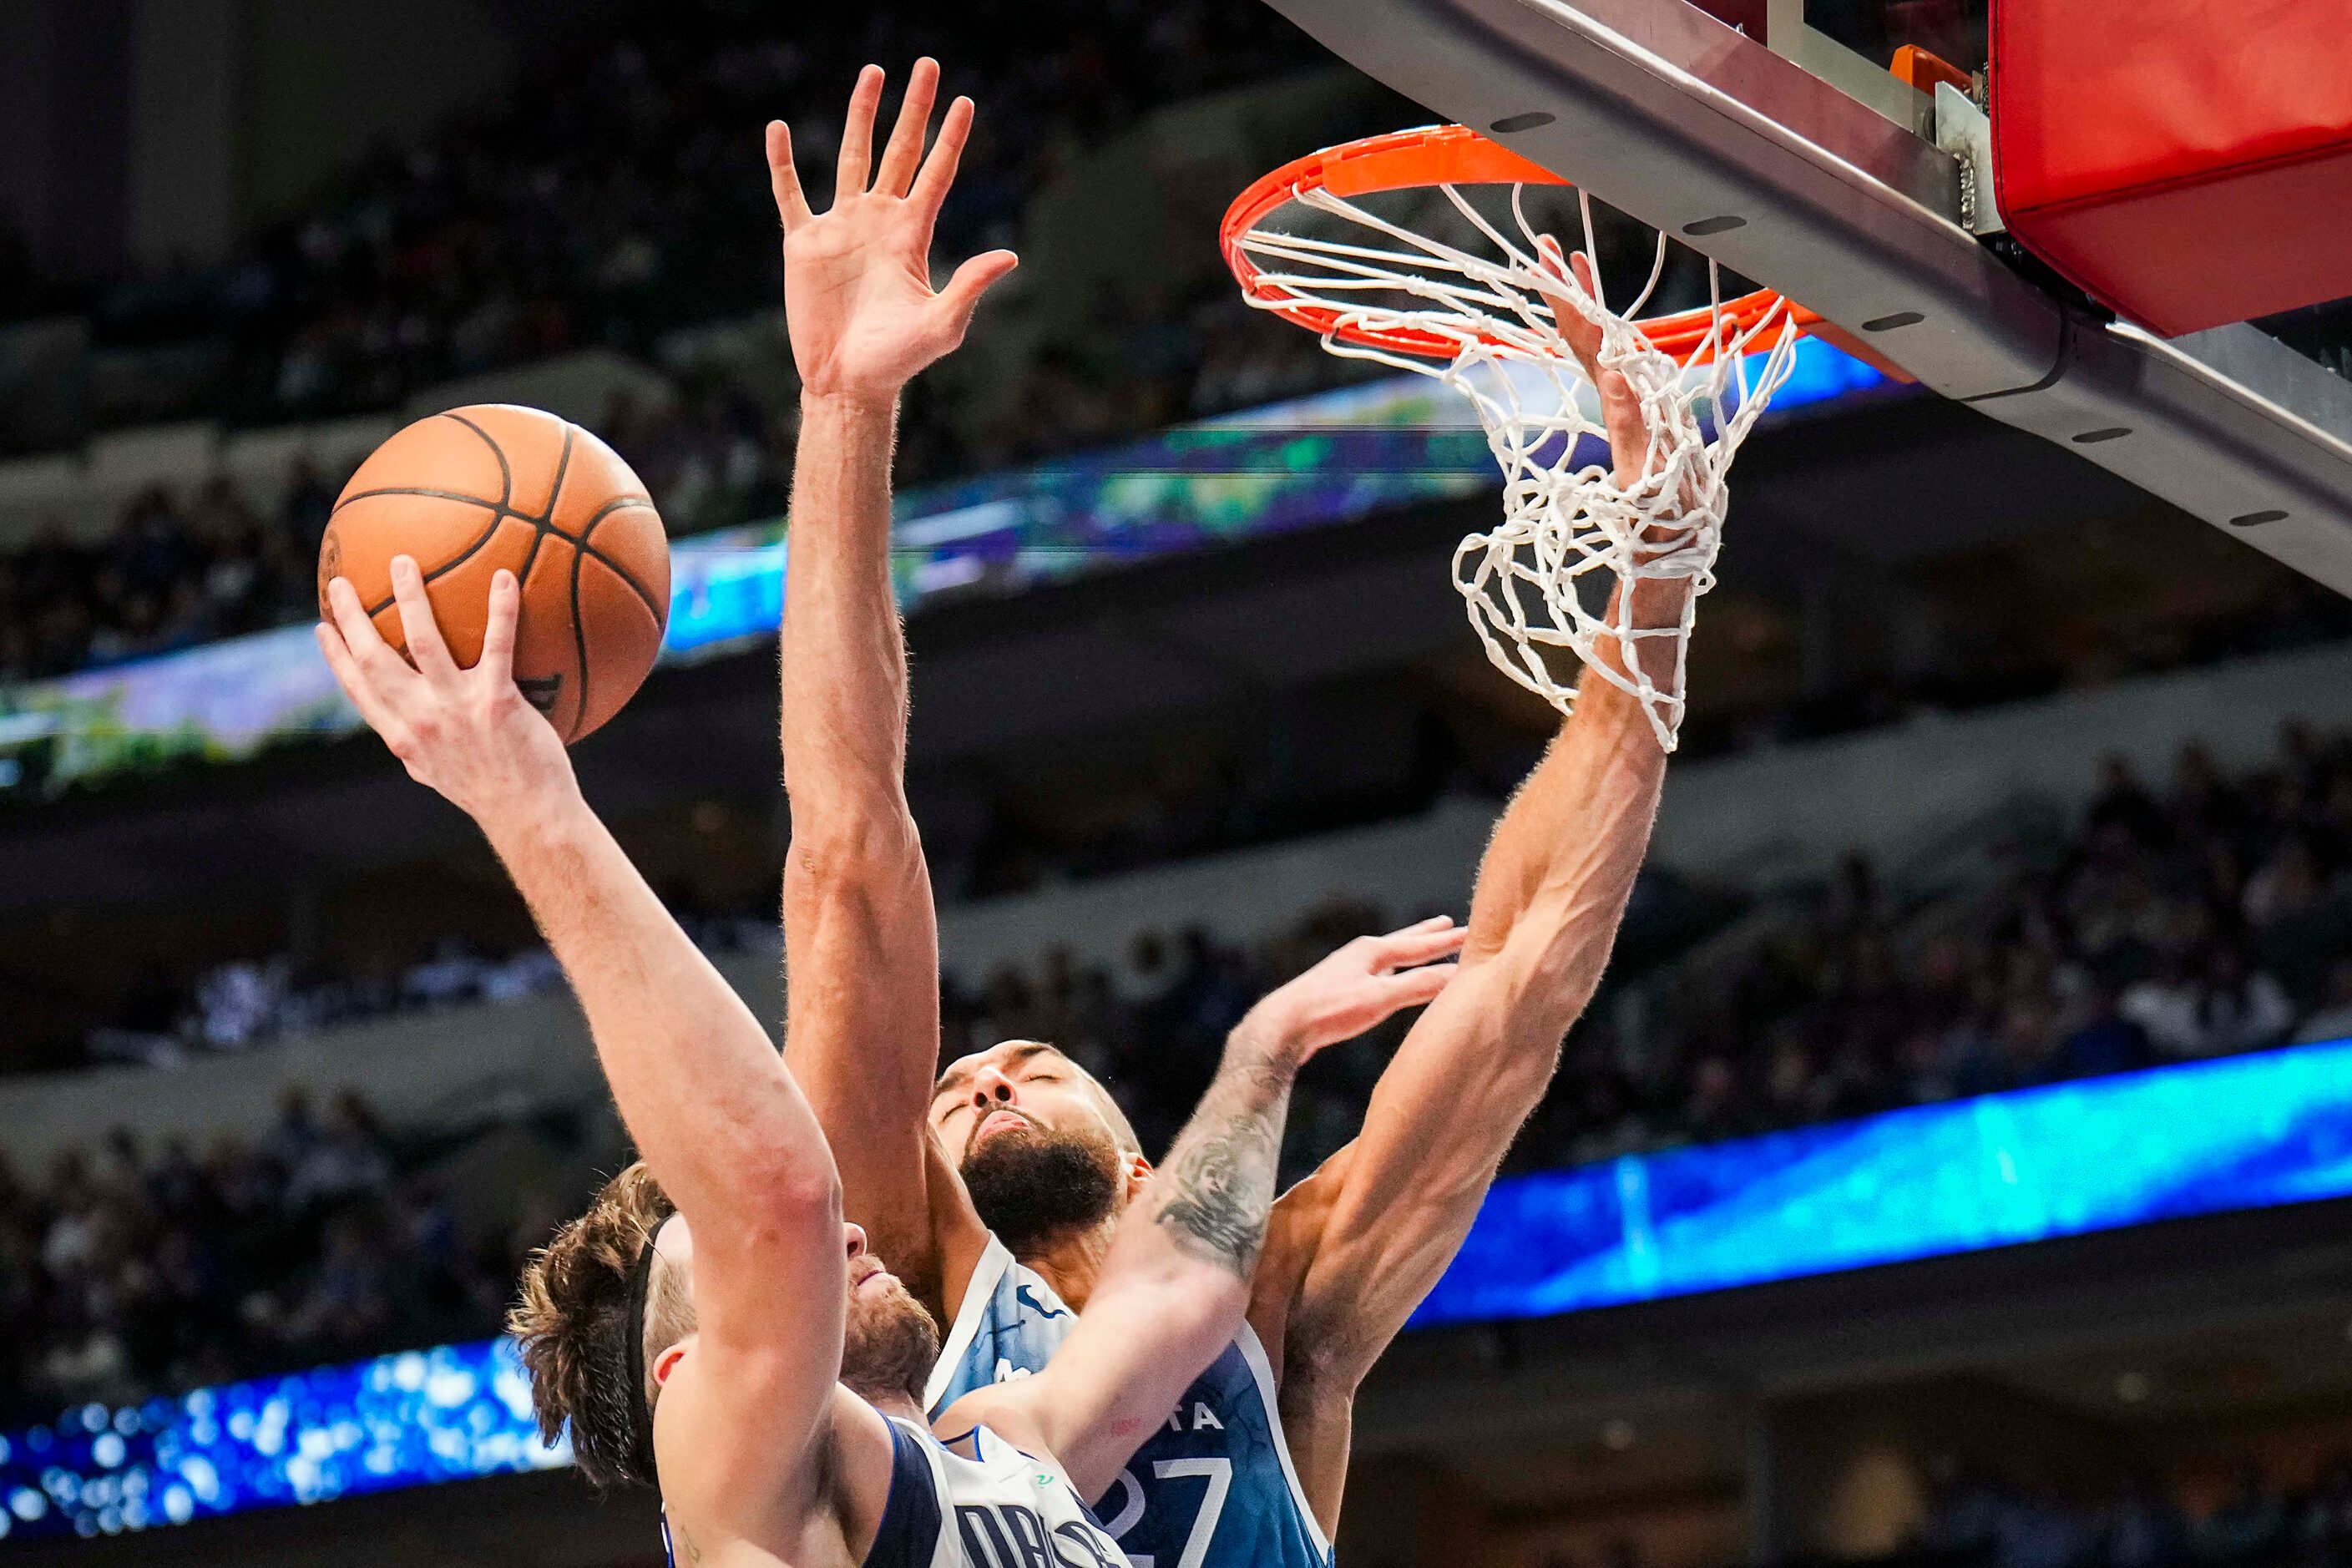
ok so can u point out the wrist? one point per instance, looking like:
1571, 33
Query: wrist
534, 822
1263, 1039
848, 404
1656, 604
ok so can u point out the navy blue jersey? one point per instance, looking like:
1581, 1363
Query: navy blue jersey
987, 1506
1214, 1488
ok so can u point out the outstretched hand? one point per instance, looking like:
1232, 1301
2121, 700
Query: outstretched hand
1621, 410
864, 317
1360, 985
467, 733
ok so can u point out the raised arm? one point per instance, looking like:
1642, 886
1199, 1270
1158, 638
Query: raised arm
1361, 1242
1367, 1235
861, 940
1177, 1282
704, 1094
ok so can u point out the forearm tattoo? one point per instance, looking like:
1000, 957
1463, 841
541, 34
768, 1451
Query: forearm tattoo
1219, 1183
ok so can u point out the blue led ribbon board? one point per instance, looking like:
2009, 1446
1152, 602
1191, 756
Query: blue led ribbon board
2034, 1165
1309, 463
406, 1420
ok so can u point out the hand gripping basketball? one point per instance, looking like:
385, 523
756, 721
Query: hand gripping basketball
467, 733
857, 279
467, 491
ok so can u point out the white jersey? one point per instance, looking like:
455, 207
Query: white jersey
998, 1507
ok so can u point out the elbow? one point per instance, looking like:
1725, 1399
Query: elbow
789, 1197
860, 849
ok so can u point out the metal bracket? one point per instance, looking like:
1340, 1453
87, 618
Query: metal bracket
1964, 131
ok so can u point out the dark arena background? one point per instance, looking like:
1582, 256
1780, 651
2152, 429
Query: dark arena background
1953, 1171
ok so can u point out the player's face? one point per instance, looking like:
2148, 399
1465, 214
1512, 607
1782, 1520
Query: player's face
1036, 1141
1016, 1088
888, 1340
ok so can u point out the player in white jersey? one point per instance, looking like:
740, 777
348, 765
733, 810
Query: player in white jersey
744, 1351
997, 1191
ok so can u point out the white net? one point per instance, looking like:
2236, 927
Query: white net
1574, 563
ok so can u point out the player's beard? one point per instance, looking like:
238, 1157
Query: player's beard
1030, 1186
887, 1345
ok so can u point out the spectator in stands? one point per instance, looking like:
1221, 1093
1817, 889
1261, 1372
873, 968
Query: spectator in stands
346, 1160
2326, 1512
2131, 939
2104, 1041
169, 1274
2333, 1021
2147, 1528
603, 203
2250, 1524
172, 573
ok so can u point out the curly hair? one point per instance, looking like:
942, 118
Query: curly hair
572, 1324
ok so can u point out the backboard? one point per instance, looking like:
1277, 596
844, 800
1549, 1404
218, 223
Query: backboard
1777, 137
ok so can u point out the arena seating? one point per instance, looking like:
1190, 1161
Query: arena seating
1983, 1520
2209, 914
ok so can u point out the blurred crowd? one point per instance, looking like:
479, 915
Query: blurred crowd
620, 191
2210, 915
617, 193
182, 567
244, 1003
1980, 1521
177, 569
125, 1270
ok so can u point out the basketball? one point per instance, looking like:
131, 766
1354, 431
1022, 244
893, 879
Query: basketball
476, 489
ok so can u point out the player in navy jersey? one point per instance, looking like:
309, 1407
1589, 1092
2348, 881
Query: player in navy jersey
997, 1190
744, 1351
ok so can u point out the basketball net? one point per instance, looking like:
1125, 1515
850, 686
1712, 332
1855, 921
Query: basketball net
1561, 570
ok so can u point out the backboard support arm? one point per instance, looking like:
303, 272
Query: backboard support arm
1697, 129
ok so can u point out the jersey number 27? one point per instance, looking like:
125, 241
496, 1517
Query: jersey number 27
1218, 1473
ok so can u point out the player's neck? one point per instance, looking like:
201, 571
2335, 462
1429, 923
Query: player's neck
903, 1406
1071, 1260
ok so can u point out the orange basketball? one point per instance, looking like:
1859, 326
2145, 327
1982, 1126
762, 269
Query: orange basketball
476, 489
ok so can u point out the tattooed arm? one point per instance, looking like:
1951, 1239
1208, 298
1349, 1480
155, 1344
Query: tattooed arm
1175, 1285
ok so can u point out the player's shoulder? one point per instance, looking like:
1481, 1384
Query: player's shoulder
1007, 1325
839, 1481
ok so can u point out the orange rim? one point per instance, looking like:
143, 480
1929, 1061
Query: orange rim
1440, 155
